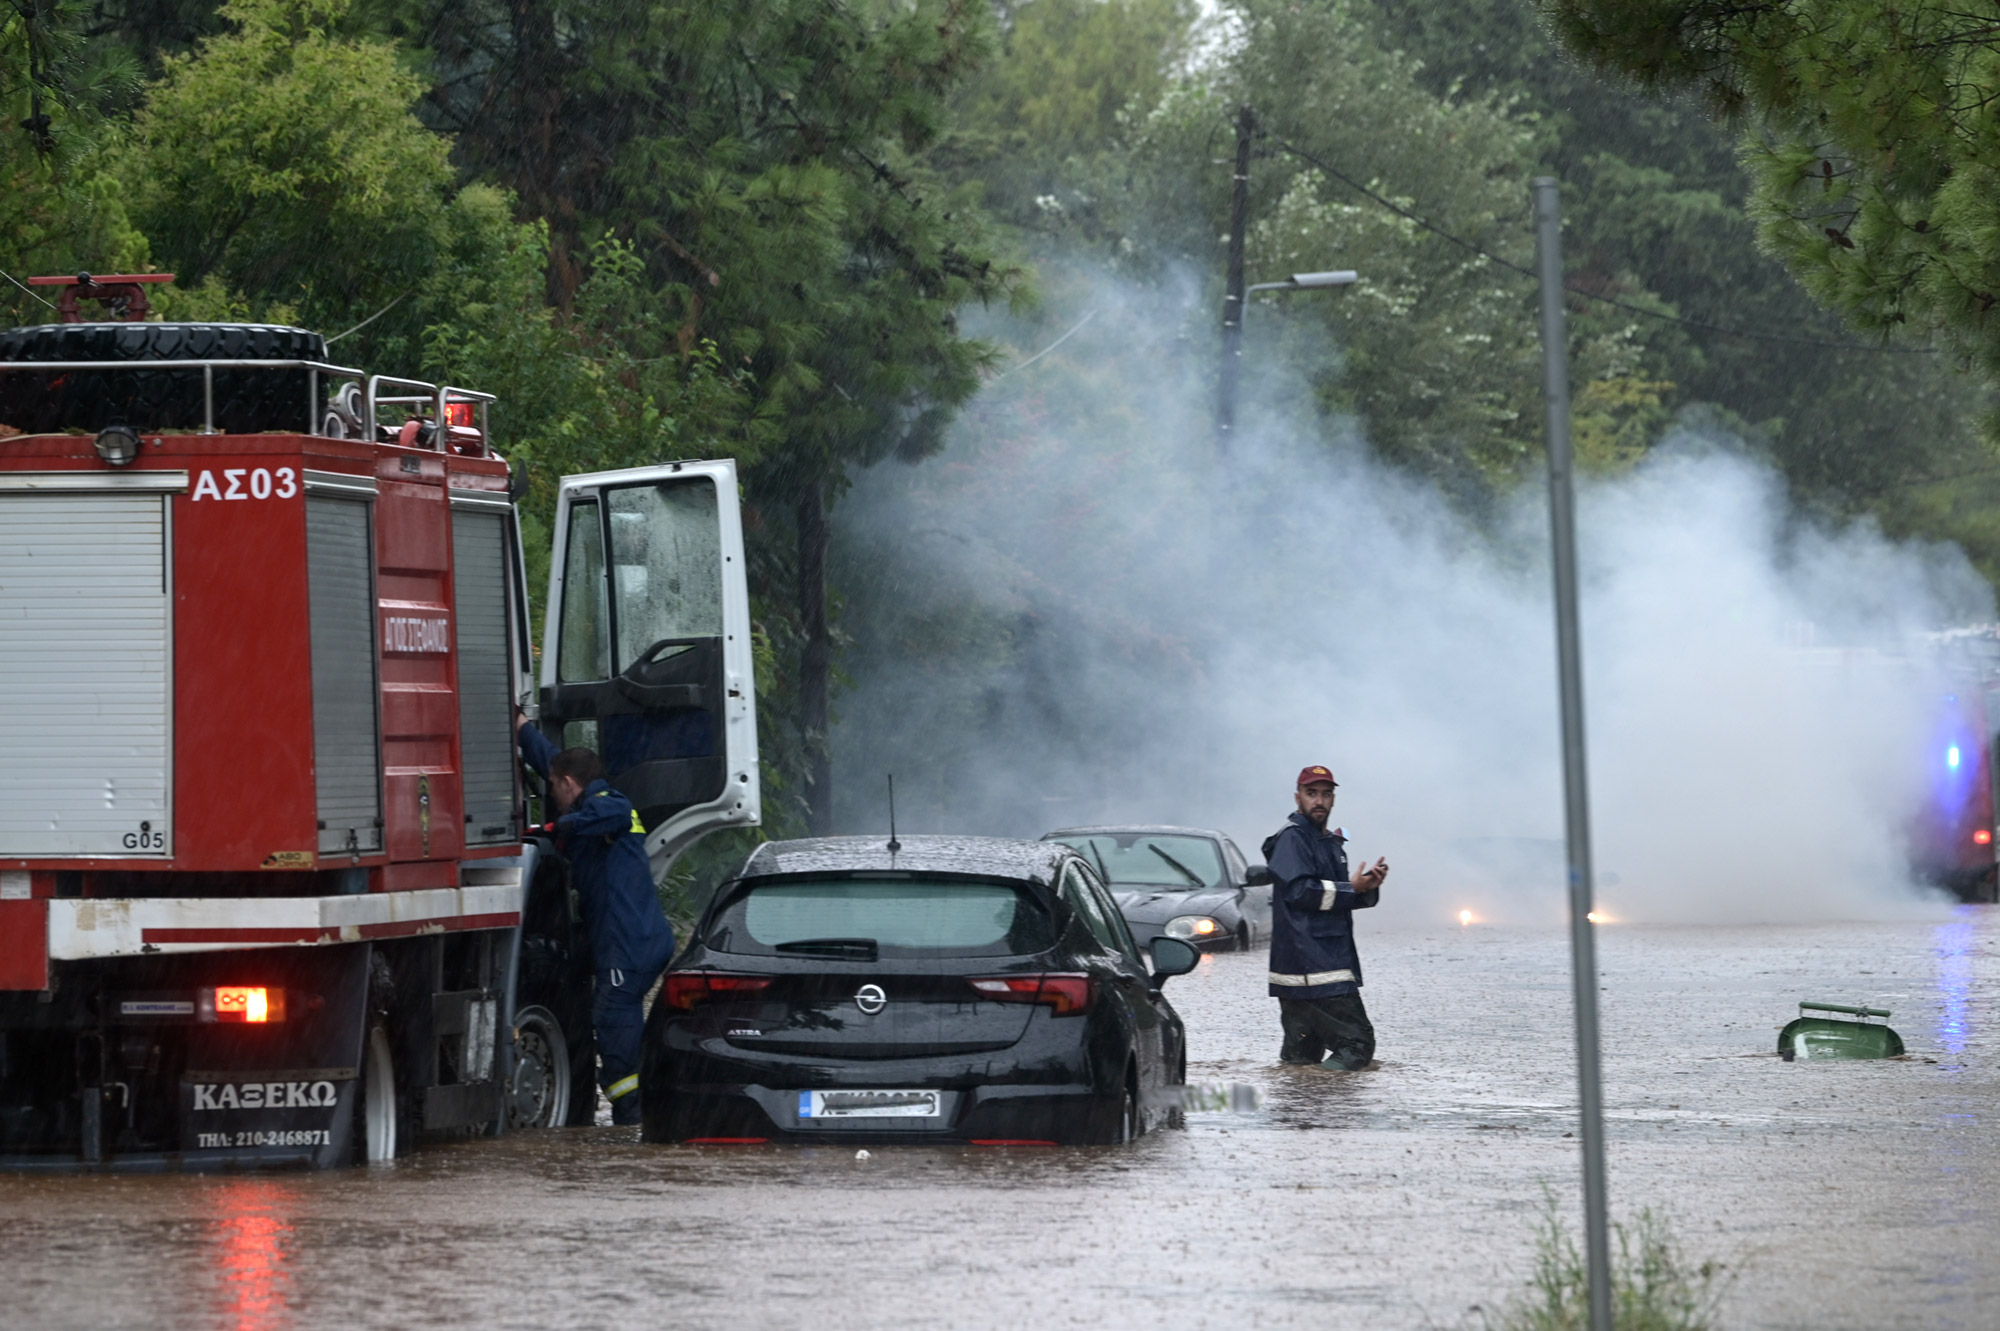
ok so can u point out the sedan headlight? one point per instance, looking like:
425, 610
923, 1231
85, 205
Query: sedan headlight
1193, 928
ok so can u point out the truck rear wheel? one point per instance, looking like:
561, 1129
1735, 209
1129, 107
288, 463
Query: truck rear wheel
539, 1091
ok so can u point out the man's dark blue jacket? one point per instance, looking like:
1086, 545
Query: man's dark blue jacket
1312, 912
606, 847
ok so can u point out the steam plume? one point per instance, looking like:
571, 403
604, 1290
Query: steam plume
1081, 613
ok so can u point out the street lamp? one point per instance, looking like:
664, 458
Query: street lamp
1343, 277
1232, 337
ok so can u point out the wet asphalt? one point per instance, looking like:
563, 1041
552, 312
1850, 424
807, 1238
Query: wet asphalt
1839, 1195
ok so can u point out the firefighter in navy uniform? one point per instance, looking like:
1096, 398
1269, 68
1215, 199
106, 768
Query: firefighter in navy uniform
1315, 969
630, 939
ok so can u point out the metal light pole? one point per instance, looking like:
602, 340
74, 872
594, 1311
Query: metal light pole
1232, 358
1232, 337
1576, 786
1232, 302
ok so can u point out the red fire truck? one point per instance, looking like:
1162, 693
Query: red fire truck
268, 892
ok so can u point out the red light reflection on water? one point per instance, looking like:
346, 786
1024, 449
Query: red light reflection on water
249, 1245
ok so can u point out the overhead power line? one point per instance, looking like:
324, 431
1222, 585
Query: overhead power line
1490, 257
370, 319
16, 281
1077, 328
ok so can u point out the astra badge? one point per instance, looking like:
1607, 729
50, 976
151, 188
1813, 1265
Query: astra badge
870, 999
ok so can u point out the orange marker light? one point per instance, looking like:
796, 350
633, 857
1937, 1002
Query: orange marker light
239, 1003
253, 1004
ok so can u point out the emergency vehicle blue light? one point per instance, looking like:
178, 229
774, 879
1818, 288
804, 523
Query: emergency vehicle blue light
1951, 757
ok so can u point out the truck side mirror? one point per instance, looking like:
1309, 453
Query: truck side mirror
1257, 875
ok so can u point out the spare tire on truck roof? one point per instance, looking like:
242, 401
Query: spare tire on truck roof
247, 401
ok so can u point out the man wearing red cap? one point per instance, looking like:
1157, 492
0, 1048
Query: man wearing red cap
1315, 970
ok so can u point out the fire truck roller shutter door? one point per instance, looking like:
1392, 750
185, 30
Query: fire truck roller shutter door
340, 581
485, 710
84, 638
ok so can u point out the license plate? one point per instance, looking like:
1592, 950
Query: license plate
868, 1104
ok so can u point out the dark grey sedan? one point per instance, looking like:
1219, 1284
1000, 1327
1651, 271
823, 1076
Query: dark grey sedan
1179, 882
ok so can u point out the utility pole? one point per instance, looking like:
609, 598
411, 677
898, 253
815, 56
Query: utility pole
1232, 304
1576, 785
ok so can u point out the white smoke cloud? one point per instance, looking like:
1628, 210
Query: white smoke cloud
1082, 613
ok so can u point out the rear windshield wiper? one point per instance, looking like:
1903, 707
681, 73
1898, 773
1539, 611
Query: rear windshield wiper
1189, 873
847, 949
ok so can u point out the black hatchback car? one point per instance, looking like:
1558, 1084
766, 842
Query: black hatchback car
960, 989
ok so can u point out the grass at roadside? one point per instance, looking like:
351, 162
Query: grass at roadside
1654, 1286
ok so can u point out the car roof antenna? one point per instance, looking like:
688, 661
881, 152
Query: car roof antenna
894, 845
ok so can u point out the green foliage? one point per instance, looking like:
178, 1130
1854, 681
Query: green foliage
1654, 211
1613, 420
1435, 348
1448, 109
38, 47
1653, 1285
1873, 157
279, 172
53, 221
764, 168
1034, 125
54, 217
763, 163
603, 387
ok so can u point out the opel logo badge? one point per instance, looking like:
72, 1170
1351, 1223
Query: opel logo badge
870, 999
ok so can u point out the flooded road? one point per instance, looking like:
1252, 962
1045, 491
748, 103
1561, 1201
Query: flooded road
1843, 1195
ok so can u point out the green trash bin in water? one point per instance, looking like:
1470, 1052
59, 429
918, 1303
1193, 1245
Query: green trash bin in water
1850, 1035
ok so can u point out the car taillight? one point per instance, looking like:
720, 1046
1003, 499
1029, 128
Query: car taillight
252, 1004
684, 989
1982, 838
1067, 994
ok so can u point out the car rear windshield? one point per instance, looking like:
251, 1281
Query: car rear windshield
901, 917
1147, 859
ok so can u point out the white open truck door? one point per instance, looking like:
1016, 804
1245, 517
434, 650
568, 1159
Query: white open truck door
646, 654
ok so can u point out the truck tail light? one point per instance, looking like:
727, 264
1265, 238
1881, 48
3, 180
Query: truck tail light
253, 1005
684, 989
1067, 993
1982, 838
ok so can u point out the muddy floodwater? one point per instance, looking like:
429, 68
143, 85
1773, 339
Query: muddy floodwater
1860, 1195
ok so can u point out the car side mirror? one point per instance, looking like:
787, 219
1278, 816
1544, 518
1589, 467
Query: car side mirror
1172, 957
1257, 875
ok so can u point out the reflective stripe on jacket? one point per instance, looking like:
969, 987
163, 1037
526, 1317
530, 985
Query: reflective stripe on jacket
1312, 912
